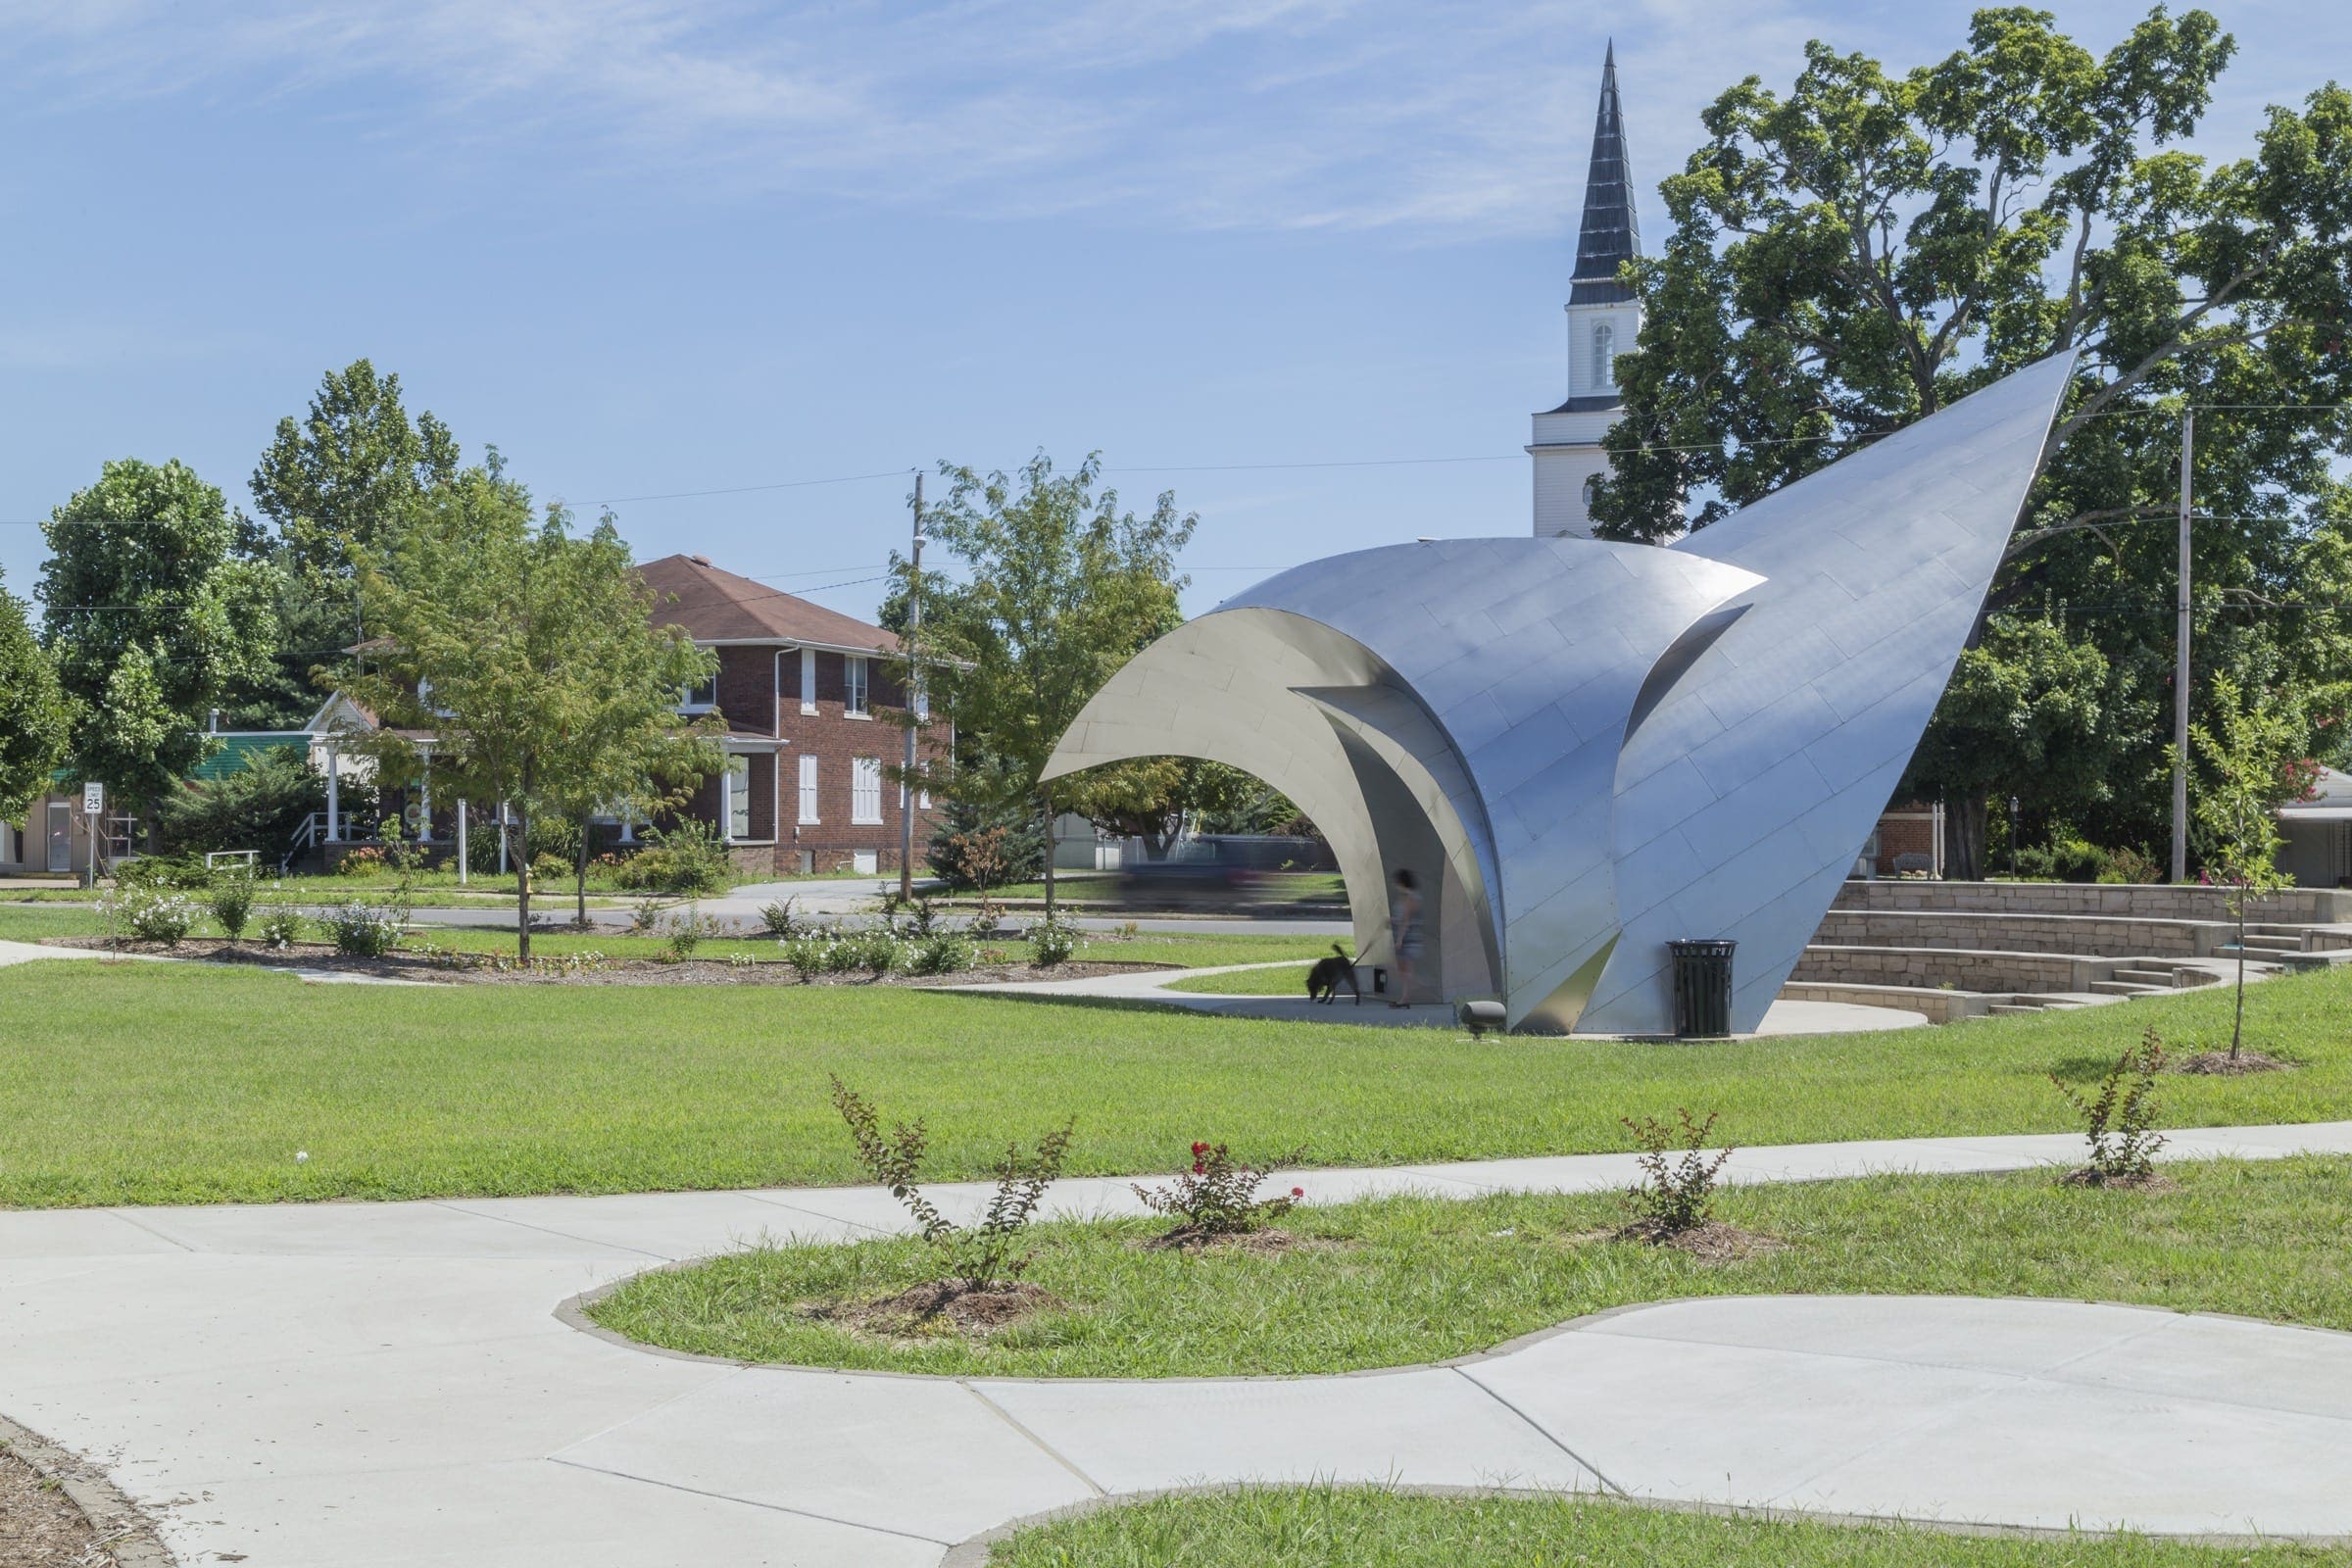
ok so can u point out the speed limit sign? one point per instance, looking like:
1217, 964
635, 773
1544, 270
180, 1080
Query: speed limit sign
93, 799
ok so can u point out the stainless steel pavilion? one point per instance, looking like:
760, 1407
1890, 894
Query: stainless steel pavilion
1588, 750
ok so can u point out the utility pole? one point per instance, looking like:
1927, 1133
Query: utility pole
915, 704
2189, 440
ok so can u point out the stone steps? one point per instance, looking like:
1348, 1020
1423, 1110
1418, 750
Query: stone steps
2129, 988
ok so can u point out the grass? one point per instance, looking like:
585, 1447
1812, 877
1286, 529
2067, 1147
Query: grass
1425, 1279
1090, 887
1370, 1527
1288, 981
145, 1083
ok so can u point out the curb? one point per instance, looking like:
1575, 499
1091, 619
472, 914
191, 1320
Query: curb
120, 1525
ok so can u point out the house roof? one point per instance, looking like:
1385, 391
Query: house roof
237, 747
719, 607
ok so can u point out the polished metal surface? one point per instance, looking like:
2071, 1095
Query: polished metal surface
1588, 750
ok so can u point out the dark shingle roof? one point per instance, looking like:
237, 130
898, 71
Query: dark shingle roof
1612, 233
715, 606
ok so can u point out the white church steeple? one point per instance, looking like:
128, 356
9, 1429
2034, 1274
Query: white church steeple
1603, 319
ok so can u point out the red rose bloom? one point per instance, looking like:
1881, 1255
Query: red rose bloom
1198, 1149
1298, 1192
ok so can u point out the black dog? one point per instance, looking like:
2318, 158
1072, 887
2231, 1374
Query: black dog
1324, 980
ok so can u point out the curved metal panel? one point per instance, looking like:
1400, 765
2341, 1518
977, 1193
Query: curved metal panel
1606, 746
1745, 795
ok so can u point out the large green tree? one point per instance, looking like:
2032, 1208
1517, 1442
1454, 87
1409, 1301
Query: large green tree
1055, 588
520, 661
150, 620
334, 484
34, 715
1855, 252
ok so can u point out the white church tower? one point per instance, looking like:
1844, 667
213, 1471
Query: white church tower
1603, 318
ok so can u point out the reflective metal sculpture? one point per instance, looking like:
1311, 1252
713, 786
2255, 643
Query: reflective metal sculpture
1590, 750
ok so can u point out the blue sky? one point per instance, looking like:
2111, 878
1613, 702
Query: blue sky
648, 247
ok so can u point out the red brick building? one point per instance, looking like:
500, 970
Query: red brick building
801, 690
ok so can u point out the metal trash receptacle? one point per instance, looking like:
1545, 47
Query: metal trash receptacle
1702, 988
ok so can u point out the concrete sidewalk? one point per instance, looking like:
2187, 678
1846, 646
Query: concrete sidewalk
1783, 1017
338, 1384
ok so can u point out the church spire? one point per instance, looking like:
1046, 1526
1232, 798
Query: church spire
1611, 236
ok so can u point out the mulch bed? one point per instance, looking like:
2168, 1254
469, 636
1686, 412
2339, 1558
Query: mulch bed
2217, 1064
1272, 1239
938, 1307
1709, 1241
477, 970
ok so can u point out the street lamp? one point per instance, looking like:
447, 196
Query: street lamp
2013, 830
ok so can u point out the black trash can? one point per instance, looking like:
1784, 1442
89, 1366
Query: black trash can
1702, 988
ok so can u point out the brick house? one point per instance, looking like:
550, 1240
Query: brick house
801, 689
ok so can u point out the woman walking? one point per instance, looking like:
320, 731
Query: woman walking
1404, 929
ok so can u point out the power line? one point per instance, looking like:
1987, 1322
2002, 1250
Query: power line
747, 489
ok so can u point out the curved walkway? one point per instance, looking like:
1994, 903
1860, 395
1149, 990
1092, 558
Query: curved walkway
341, 1384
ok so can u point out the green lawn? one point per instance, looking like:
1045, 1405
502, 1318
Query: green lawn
1364, 1526
1396, 1281
164, 1083
1288, 981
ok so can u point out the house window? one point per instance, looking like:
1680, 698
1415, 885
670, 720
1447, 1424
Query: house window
809, 683
865, 790
852, 687
808, 788
700, 699
739, 797
1592, 489
1604, 355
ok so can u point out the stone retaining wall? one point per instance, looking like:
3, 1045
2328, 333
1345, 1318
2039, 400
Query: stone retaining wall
2082, 935
1939, 1006
1968, 969
2297, 905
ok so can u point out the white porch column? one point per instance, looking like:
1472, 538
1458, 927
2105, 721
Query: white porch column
628, 829
726, 800
505, 864
461, 843
334, 797
425, 796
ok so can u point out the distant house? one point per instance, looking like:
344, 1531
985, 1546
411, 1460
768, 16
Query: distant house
54, 836
2318, 833
800, 690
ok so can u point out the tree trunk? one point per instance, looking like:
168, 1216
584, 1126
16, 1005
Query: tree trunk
522, 851
2237, 1022
1964, 839
580, 916
1049, 810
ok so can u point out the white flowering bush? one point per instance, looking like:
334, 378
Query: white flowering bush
156, 915
279, 928
1053, 941
879, 952
363, 930
941, 952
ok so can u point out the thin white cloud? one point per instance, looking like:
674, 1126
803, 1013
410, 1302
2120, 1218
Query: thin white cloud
1444, 122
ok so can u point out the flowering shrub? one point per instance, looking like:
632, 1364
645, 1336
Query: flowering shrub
232, 903
363, 930
1218, 1195
154, 916
979, 1257
281, 927
1053, 941
778, 921
878, 951
941, 952
363, 861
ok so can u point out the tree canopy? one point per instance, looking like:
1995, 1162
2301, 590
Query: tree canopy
1852, 255
150, 620
1055, 588
523, 659
336, 484
34, 715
